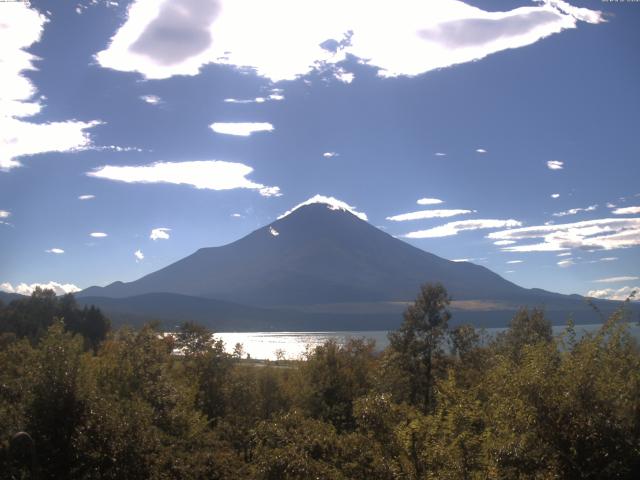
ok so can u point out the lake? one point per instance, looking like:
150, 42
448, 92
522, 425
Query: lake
264, 345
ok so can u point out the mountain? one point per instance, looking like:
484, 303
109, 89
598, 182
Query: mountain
320, 261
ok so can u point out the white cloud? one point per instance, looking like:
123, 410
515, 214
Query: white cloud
21, 27
4, 214
273, 232
555, 165
608, 259
453, 228
203, 174
86, 197
55, 250
242, 129
626, 211
330, 154
457, 260
27, 289
566, 263
422, 214
151, 99
555, 195
98, 234
331, 203
139, 255
563, 254
504, 242
407, 37
613, 294
429, 201
606, 234
161, 233
616, 279
440, 154
275, 95
481, 150
574, 211
515, 261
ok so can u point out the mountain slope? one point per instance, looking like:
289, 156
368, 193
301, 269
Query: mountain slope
315, 255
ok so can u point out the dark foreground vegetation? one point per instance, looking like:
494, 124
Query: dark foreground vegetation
93, 403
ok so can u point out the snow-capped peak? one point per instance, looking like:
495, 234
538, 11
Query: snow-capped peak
331, 203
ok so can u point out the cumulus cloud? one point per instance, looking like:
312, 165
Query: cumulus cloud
57, 251
273, 232
242, 129
139, 255
616, 294
555, 195
161, 233
151, 99
626, 211
422, 214
617, 279
27, 289
574, 211
429, 201
331, 203
453, 228
203, 174
604, 234
98, 235
22, 27
86, 197
555, 165
408, 37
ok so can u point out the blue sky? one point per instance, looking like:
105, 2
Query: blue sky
133, 133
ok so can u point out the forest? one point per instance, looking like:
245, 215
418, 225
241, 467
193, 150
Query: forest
79, 400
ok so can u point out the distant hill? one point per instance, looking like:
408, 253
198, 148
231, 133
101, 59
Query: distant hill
314, 266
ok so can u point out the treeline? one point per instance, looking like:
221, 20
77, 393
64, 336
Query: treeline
522, 405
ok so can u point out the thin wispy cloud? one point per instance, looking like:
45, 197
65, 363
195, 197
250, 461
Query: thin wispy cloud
241, 129
98, 235
626, 211
566, 263
422, 214
604, 234
4, 214
255, 34
203, 174
453, 228
330, 154
161, 233
440, 154
617, 279
480, 150
429, 201
515, 261
555, 165
57, 251
28, 289
555, 195
574, 211
331, 203
86, 197
504, 242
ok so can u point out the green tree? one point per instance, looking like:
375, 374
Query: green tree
417, 345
